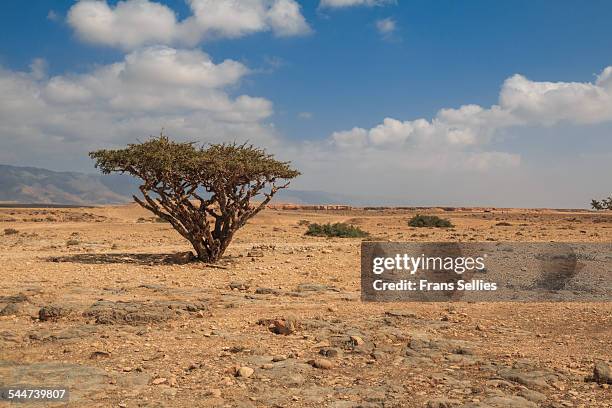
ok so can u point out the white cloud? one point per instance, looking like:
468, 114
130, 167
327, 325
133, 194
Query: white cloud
522, 102
305, 115
351, 3
548, 103
286, 19
52, 16
129, 24
182, 91
135, 23
386, 26
433, 158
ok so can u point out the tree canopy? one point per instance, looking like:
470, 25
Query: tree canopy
205, 192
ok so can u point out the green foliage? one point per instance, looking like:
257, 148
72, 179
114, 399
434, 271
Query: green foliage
205, 192
10, 231
163, 160
339, 230
605, 204
433, 221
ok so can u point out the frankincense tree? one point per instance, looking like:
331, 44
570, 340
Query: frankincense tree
206, 193
605, 204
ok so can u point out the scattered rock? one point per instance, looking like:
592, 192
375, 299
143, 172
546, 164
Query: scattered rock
357, 341
99, 354
139, 313
314, 287
532, 395
266, 291
159, 380
508, 402
239, 285
284, 327
442, 403
329, 352
8, 335
602, 373
18, 298
279, 357
400, 313
321, 363
12, 309
244, 372
537, 379
52, 312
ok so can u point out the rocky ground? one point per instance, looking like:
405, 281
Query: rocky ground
89, 299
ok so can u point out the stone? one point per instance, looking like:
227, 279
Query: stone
357, 341
140, 313
239, 285
52, 312
244, 372
214, 393
602, 373
509, 402
12, 309
279, 357
400, 313
314, 287
329, 352
321, 363
283, 326
537, 379
442, 403
532, 395
99, 354
266, 291
18, 298
159, 380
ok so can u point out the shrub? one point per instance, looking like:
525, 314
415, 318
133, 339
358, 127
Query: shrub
339, 229
72, 242
605, 204
434, 221
206, 193
503, 224
10, 231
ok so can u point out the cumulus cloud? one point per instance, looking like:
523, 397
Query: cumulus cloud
386, 27
522, 102
135, 23
351, 3
183, 91
394, 158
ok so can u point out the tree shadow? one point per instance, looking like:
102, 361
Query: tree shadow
124, 258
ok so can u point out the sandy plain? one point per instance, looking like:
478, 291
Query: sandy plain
281, 324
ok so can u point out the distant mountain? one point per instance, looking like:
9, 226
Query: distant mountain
34, 185
42, 186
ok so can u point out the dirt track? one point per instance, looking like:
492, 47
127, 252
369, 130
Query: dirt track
124, 328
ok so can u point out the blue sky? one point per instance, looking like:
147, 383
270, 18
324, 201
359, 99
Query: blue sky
334, 71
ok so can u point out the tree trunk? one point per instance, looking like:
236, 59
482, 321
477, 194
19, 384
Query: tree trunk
202, 252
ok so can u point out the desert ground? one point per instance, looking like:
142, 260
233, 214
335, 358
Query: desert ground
90, 299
